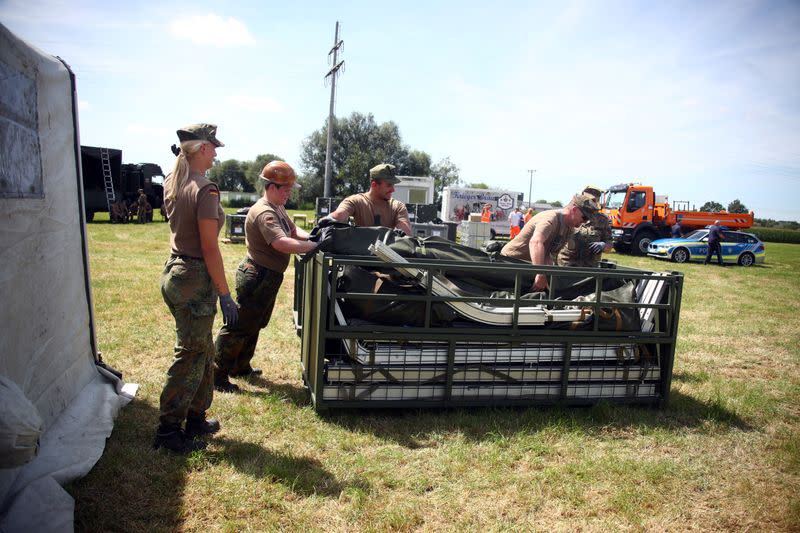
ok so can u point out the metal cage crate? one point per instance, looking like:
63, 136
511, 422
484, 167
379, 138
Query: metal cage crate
355, 362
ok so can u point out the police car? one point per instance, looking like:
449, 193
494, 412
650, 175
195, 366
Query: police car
737, 248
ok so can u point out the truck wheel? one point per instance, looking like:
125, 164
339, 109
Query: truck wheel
681, 255
642, 241
747, 259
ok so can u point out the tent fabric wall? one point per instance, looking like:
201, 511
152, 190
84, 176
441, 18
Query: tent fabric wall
47, 341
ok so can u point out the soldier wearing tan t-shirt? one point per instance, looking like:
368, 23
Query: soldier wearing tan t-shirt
271, 237
541, 239
192, 279
376, 207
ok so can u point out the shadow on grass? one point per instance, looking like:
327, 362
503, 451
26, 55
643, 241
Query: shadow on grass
302, 475
299, 396
414, 428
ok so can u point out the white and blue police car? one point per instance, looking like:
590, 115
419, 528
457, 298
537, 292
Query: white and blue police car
737, 248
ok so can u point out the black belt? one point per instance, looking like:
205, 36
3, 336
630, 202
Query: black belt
185, 257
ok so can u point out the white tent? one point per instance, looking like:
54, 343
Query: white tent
50, 384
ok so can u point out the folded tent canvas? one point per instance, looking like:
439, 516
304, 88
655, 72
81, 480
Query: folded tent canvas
50, 385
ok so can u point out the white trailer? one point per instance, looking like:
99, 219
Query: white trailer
414, 190
459, 202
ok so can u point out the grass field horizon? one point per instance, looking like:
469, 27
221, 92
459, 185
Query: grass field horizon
724, 455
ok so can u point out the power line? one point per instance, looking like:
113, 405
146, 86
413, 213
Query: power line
337, 45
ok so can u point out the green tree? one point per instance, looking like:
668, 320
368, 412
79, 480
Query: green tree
737, 207
477, 185
712, 207
445, 174
229, 175
358, 144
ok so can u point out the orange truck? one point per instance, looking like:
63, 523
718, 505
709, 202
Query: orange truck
638, 217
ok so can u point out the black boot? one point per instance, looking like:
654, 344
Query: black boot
223, 384
247, 372
172, 437
197, 426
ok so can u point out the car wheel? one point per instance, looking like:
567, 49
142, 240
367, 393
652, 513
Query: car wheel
681, 255
642, 241
747, 259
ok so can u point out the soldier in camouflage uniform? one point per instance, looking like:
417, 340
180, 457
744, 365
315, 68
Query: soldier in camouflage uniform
141, 211
193, 277
585, 247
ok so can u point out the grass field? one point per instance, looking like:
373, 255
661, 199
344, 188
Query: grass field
723, 456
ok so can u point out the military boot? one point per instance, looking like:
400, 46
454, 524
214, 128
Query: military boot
223, 384
172, 437
197, 426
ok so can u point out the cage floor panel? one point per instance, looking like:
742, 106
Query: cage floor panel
577, 391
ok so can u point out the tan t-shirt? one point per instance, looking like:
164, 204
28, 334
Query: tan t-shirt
199, 198
550, 225
365, 212
266, 222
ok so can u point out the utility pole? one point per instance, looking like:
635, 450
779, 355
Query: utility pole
530, 187
337, 44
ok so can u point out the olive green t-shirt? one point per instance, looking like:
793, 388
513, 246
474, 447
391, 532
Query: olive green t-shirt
365, 212
197, 199
550, 225
266, 222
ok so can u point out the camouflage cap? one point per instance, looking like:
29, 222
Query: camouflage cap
593, 190
199, 132
586, 203
383, 172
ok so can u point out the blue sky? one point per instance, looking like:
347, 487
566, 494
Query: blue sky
699, 99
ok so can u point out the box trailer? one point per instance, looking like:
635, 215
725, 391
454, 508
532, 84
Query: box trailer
459, 202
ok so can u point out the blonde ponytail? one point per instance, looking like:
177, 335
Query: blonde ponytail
180, 172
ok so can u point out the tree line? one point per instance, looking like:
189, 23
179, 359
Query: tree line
359, 143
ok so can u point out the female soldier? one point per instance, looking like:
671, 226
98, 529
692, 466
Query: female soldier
193, 277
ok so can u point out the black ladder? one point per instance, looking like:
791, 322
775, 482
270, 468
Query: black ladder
107, 178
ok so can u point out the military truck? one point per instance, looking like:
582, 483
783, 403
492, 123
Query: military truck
106, 179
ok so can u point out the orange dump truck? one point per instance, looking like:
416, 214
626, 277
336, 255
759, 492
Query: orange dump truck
638, 217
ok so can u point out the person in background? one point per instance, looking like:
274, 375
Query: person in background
541, 239
515, 222
375, 207
192, 280
528, 215
586, 245
141, 207
486, 213
676, 231
271, 237
714, 247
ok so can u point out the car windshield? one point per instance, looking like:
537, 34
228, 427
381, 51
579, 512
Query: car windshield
696, 235
615, 200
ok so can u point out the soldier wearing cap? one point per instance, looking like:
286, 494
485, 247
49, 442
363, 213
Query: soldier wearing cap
586, 245
376, 207
271, 237
141, 211
192, 280
541, 239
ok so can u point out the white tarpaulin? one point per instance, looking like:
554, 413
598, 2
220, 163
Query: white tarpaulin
47, 343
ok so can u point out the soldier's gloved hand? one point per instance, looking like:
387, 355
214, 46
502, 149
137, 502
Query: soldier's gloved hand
326, 221
597, 247
230, 313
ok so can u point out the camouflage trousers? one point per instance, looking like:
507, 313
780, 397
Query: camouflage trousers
256, 291
192, 300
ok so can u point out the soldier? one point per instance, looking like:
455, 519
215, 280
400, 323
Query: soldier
586, 245
376, 207
271, 237
141, 211
193, 277
541, 239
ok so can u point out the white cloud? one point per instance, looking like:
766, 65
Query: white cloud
83, 105
254, 103
212, 30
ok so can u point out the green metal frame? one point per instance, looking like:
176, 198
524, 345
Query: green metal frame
315, 296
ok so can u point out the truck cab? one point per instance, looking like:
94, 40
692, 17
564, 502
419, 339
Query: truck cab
635, 216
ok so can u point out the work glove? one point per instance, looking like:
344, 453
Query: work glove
597, 247
326, 221
230, 313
